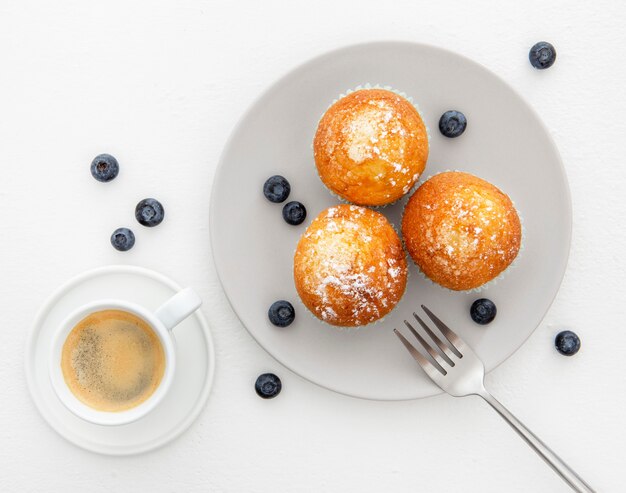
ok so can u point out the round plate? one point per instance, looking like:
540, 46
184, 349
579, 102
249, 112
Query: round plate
192, 381
505, 143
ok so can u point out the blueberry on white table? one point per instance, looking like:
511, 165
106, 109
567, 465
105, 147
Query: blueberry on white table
542, 55
281, 313
104, 167
483, 311
294, 213
276, 189
567, 343
452, 123
149, 212
123, 239
268, 385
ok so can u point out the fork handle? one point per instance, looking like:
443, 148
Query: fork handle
553, 460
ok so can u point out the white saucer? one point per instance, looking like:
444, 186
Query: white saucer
505, 143
192, 381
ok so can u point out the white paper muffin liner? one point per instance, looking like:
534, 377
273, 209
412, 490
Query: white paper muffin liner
488, 284
399, 93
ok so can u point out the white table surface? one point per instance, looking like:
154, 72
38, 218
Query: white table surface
160, 85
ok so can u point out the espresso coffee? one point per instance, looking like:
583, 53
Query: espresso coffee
112, 360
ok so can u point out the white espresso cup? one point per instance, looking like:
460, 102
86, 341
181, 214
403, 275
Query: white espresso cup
161, 321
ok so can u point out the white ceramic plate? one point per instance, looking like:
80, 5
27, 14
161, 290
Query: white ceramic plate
505, 143
192, 381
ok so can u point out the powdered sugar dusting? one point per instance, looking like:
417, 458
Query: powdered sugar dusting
368, 127
460, 234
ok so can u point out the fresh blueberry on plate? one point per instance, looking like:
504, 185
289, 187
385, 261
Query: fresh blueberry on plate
268, 385
567, 343
123, 239
542, 55
294, 213
149, 212
104, 167
281, 313
452, 123
483, 311
276, 189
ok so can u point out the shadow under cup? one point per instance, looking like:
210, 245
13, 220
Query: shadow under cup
148, 330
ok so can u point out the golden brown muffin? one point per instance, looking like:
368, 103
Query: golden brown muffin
460, 230
371, 147
350, 268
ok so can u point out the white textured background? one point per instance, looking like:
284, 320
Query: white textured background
160, 85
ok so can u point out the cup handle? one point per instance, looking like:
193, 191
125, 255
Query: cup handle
178, 308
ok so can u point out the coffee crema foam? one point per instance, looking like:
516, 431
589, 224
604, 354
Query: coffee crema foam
112, 360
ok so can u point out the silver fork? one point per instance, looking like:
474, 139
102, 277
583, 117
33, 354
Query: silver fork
455, 368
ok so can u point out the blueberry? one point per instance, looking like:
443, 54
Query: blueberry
542, 55
294, 213
281, 313
276, 189
104, 167
567, 343
483, 311
452, 123
268, 385
149, 212
123, 239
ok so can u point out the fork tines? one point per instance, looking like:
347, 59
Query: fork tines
442, 352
